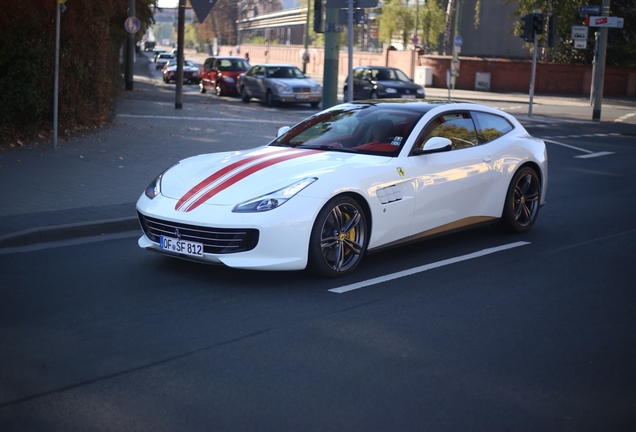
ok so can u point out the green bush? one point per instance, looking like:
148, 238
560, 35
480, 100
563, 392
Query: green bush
90, 76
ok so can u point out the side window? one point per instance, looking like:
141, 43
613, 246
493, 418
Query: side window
490, 126
458, 127
208, 64
357, 74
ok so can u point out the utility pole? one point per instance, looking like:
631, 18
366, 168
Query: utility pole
332, 53
178, 104
306, 39
600, 68
130, 49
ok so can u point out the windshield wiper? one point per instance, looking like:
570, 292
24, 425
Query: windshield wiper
330, 148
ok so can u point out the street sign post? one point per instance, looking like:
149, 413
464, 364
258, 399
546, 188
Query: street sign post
586, 10
605, 21
579, 33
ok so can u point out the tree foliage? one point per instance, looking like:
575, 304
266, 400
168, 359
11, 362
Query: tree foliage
621, 45
91, 35
398, 17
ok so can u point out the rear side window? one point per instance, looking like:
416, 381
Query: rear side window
458, 127
490, 126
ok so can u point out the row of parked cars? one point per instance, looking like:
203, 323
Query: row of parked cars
283, 83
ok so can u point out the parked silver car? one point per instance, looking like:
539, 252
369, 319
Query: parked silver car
276, 83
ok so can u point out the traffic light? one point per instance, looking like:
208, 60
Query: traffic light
553, 37
318, 24
537, 23
527, 30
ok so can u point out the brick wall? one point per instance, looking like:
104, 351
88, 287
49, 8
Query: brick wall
506, 76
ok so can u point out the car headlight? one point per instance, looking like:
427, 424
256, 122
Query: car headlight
282, 88
154, 188
228, 79
316, 89
390, 90
420, 91
274, 199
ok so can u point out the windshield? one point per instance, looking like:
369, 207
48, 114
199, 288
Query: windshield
233, 65
284, 72
361, 128
391, 75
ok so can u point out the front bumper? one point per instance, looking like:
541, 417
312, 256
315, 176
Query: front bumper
283, 233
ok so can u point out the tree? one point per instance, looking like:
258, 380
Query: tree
621, 46
91, 35
397, 21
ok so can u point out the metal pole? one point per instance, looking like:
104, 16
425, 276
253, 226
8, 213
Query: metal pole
350, 69
600, 68
130, 49
594, 61
332, 58
415, 38
306, 39
57, 72
180, 36
534, 68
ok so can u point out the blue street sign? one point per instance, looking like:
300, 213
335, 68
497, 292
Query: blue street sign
132, 24
589, 10
459, 41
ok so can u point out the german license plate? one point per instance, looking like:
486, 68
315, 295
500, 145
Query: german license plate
302, 96
181, 246
408, 96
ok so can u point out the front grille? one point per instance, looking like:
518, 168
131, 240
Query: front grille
302, 90
214, 240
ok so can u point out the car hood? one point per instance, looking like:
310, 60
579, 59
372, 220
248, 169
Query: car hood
233, 74
185, 69
399, 84
231, 177
294, 82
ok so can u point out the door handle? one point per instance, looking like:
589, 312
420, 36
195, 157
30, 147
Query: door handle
487, 159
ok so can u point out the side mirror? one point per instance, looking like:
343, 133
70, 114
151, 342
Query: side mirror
435, 145
282, 130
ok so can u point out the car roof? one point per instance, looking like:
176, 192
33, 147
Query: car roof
227, 58
413, 105
275, 65
375, 67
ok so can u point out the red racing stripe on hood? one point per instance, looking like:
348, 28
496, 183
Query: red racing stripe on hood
234, 177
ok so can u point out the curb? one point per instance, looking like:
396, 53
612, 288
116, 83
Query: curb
35, 236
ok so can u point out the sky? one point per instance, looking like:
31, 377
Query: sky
168, 3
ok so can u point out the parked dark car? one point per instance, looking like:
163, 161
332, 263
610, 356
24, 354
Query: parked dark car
375, 82
221, 74
274, 83
190, 72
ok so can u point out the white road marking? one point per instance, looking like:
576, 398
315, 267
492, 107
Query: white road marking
625, 117
426, 267
593, 155
590, 154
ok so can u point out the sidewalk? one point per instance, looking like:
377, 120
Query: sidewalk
89, 186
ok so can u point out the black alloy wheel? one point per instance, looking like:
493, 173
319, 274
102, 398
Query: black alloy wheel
521, 207
269, 99
339, 238
244, 96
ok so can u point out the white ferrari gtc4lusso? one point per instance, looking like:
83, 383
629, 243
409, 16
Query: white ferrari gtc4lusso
354, 178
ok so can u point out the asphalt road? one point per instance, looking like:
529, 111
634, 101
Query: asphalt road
100, 335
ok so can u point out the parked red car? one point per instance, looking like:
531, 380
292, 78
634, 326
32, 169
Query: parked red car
220, 74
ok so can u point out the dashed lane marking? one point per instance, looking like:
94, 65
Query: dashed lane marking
426, 267
589, 153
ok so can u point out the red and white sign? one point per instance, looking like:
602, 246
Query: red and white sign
604, 21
